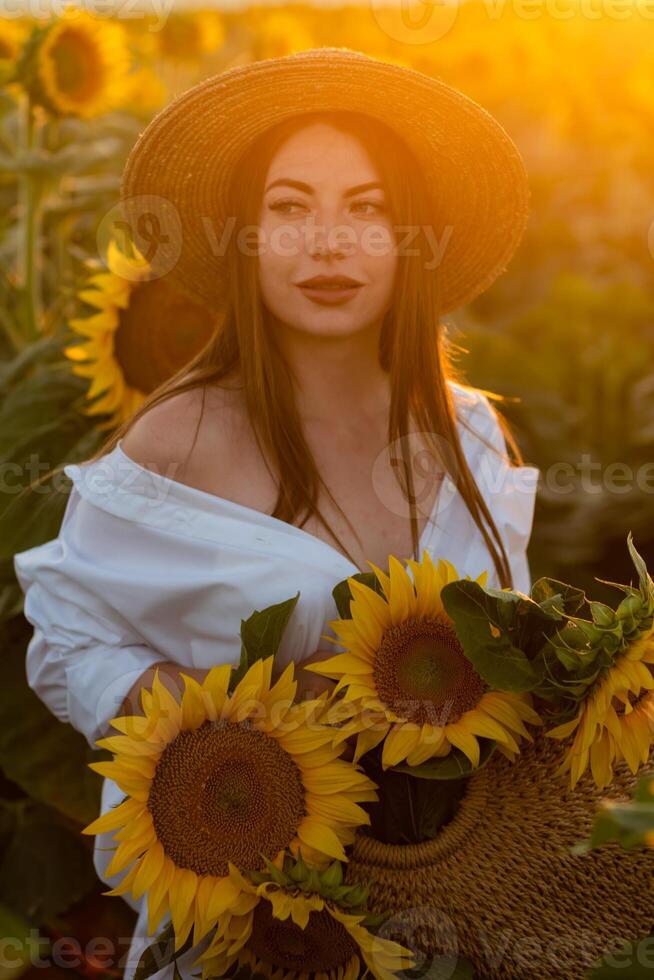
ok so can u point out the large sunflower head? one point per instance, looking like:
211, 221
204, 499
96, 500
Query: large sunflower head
144, 331
77, 65
302, 925
406, 670
616, 720
222, 778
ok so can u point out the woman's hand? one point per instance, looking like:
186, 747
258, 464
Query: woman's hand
169, 676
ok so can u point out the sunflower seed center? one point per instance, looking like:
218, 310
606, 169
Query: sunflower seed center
150, 346
423, 675
225, 792
76, 64
324, 945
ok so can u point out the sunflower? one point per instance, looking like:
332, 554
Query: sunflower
407, 673
144, 331
77, 65
301, 924
616, 720
277, 33
220, 778
146, 92
12, 35
190, 36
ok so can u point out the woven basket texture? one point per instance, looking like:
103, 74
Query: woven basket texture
498, 884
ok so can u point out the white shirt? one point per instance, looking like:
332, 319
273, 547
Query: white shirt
146, 568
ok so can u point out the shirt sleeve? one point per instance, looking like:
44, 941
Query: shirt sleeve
510, 492
83, 656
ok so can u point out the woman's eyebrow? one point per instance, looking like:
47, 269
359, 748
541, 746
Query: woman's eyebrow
307, 188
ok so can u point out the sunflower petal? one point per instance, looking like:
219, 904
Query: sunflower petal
315, 833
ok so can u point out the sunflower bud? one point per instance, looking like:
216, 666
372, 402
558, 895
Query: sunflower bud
297, 871
356, 896
602, 614
630, 608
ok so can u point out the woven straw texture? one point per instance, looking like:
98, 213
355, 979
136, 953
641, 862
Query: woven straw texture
177, 175
499, 886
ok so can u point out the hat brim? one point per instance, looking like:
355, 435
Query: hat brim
176, 177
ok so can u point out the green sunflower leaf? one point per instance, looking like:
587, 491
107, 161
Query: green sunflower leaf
296, 869
644, 789
557, 598
274, 874
452, 766
261, 634
602, 614
343, 596
495, 628
646, 583
333, 876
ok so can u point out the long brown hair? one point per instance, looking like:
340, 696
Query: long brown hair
413, 348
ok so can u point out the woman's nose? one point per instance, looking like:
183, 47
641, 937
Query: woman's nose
329, 237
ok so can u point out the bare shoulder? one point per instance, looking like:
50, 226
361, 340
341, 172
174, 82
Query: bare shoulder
185, 429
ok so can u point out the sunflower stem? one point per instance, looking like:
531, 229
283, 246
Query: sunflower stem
412, 812
30, 272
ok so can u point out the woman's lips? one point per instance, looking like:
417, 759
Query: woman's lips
329, 295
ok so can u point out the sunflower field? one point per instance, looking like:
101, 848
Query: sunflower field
566, 335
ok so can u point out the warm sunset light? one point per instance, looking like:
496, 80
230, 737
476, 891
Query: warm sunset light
326, 489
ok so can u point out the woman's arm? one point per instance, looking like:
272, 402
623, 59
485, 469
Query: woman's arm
86, 657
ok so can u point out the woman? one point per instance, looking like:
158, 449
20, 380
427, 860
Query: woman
322, 427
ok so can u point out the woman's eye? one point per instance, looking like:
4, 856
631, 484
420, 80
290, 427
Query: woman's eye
371, 204
284, 206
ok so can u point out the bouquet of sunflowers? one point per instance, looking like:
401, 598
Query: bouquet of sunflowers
484, 724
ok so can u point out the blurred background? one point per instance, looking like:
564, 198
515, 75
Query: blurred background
566, 335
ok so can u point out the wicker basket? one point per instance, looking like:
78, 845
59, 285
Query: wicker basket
498, 884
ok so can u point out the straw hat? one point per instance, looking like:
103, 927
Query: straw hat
177, 174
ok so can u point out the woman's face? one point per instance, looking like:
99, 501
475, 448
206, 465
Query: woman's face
319, 218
